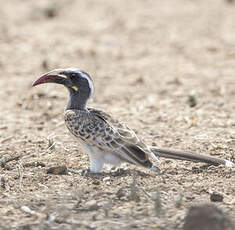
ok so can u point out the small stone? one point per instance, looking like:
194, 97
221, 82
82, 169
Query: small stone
3, 182
232, 135
58, 170
91, 205
216, 197
106, 179
50, 11
45, 64
96, 182
192, 101
145, 212
120, 193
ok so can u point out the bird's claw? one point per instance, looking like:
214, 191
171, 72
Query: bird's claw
85, 172
156, 169
88, 172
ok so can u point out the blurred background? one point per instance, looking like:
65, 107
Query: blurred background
160, 58
161, 50
157, 42
167, 68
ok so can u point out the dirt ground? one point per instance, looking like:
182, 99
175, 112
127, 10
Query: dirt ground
146, 59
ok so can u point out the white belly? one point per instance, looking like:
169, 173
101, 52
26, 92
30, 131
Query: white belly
98, 158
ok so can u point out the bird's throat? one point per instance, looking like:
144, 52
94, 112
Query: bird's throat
76, 100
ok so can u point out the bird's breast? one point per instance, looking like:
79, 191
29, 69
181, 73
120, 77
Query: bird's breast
80, 124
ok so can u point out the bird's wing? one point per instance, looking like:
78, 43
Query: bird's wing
115, 136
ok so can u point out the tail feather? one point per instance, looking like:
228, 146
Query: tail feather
189, 156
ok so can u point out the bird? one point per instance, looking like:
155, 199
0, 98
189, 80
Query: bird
106, 139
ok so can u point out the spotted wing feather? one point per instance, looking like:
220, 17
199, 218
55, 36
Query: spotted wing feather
99, 129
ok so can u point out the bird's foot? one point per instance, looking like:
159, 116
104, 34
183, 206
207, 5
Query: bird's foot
85, 172
156, 169
82, 172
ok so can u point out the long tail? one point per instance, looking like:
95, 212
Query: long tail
189, 156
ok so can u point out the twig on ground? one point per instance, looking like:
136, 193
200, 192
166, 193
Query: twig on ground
158, 203
107, 206
60, 124
20, 173
74, 171
179, 200
6, 139
50, 219
5, 159
148, 195
49, 148
3, 182
28, 210
51, 144
134, 189
34, 164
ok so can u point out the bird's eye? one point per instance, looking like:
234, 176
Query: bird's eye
73, 75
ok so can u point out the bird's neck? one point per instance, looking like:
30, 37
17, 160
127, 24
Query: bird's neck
76, 101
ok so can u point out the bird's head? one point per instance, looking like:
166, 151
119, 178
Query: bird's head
77, 81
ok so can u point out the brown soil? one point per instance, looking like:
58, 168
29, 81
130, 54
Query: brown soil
146, 59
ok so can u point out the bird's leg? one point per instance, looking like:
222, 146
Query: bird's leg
83, 172
96, 162
96, 165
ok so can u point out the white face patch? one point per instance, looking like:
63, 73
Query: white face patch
90, 82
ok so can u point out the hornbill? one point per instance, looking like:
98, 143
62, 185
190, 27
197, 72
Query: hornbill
105, 139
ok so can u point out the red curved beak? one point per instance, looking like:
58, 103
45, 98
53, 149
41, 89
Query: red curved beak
54, 76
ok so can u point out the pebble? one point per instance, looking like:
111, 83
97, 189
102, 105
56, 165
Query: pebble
216, 197
106, 179
192, 101
232, 202
91, 205
58, 170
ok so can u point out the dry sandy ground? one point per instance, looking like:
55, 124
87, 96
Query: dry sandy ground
146, 58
